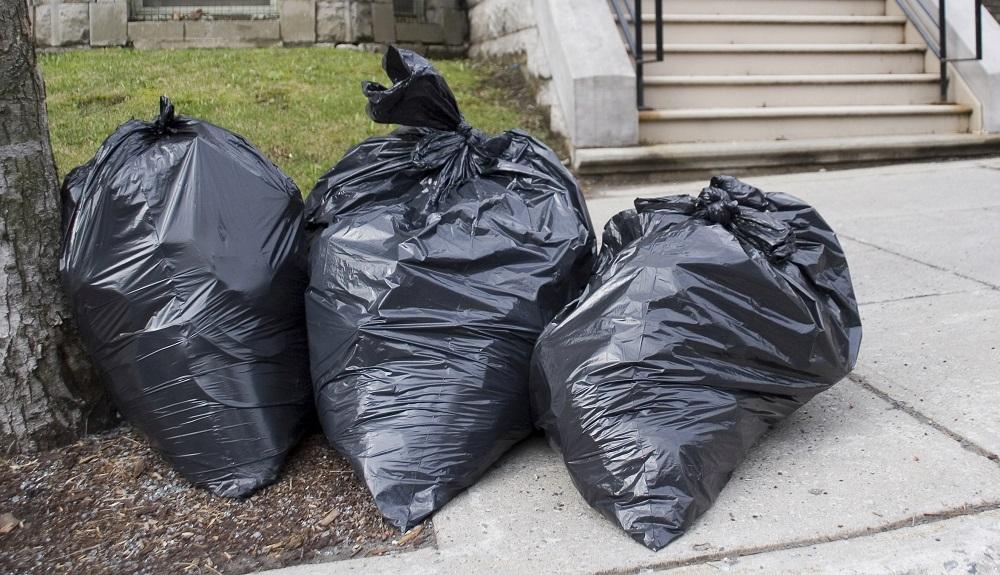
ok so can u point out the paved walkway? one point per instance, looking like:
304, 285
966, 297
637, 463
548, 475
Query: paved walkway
894, 470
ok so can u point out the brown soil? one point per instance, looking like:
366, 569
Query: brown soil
508, 75
110, 504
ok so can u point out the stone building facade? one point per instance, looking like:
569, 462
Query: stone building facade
436, 27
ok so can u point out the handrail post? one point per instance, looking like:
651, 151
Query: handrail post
979, 29
943, 47
639, 88
659, 30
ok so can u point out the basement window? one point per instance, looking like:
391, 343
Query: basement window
195, 9
408, 10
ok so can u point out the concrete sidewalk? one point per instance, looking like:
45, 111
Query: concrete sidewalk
894, 470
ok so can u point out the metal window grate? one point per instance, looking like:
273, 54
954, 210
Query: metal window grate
216, 9
408, 9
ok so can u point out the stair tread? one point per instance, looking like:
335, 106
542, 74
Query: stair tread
773, 19
762, 79
802, 111
708, 155
788, 48
754, 146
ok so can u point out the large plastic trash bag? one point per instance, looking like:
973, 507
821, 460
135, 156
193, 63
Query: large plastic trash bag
708, 320
184, 259
437, 256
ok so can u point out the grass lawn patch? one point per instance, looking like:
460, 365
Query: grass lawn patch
302, 107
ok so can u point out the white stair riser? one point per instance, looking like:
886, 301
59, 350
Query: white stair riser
752, 129
770, 7
740, 63
688, 162
771, 33
673, 97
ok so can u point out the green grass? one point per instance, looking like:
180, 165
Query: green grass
302, 107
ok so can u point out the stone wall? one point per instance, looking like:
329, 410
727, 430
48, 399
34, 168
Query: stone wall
573, 52
441, 31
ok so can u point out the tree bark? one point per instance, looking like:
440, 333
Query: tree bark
49, 393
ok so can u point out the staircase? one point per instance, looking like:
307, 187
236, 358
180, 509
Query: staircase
754, 85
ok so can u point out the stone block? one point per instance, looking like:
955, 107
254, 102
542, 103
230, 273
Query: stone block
360, 25
298, 21
421, 32
72, 24
596, 93
331, 21
153, 35
492, 19
383, 23
231, 33
109, 23
455, 24
43, 28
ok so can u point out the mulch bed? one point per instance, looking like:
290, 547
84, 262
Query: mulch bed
110, 504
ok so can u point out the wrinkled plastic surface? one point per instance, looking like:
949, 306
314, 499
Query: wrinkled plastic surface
184, 259
708, 320
437, 256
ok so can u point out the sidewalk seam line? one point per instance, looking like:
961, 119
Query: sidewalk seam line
917, 167
905, 523
915, 260
963, 441
919, 296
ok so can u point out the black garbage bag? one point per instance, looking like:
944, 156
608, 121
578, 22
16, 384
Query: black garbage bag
437, 256
184, 259
708, 320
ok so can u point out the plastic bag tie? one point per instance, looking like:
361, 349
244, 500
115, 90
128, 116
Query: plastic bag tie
162, 124
471, 135
722, 211
749, 221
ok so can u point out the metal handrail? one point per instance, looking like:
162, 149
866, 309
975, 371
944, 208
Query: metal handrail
939, 45
633, 39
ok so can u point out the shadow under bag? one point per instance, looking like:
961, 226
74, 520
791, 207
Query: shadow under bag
707, 322
183, 256
437, 256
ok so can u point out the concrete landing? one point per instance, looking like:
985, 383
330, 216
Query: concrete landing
894, 470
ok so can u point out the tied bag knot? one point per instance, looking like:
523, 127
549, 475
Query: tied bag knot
739, 208
719, 207
163, 124
744, 212
420, 98
472, 136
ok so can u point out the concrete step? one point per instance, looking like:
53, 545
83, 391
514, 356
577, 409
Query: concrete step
699, 161
841, 7
790, 123
792, 29
795, 59
695, 92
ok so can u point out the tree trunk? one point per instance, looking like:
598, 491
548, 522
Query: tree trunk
48, 391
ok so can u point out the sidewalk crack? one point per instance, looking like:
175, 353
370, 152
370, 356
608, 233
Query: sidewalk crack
907, 522
918, 296
965, 442
915, 260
